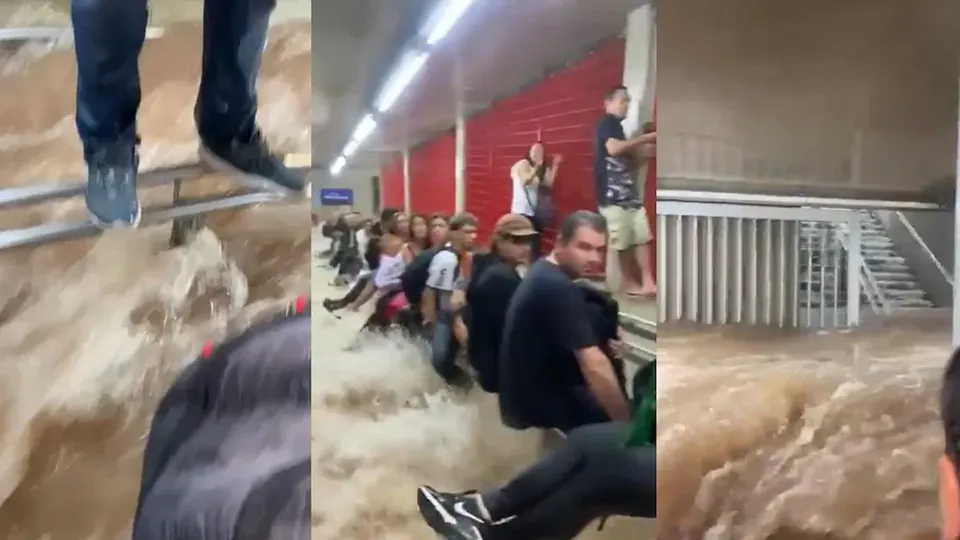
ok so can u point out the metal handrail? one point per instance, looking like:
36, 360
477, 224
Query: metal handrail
53, 33
683, 195
39, 193
639, 326
926, 249
875, 295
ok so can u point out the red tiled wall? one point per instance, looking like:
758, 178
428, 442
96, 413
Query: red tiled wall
391, 182
561, 110
432, 187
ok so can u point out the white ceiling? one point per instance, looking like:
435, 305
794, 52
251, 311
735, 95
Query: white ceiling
354, 44
498, 47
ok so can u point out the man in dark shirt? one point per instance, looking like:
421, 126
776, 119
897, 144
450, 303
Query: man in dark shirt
553, 373
620, 194
488, 296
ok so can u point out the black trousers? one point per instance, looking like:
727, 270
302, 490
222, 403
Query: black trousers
591, 476
108, 37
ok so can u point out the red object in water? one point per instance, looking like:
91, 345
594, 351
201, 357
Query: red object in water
396, 304
300, 304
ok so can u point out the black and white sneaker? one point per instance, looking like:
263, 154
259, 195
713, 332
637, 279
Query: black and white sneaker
454, 516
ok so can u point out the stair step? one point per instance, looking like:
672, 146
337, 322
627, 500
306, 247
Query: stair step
898, 285
881, 275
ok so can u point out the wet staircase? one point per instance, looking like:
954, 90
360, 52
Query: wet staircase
895, 280
888, 281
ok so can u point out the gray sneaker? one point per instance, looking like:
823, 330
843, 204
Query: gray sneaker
111, 190
254, 164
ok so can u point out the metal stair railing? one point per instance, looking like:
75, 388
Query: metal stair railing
869, 286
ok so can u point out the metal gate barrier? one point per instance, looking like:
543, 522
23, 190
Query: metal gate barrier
720, 263
185, 214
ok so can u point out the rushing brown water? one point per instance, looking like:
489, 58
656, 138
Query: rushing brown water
92, 332
384, 423
766, 435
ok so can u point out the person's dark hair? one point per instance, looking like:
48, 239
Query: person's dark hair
387, 215
542, 167
439, 215
612, 92
393, 226
950, 406
462, 220
425, 241
575, 221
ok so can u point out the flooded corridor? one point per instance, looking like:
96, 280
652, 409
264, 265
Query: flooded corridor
384, 423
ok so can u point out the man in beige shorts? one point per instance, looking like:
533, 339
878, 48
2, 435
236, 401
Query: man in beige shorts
620, 194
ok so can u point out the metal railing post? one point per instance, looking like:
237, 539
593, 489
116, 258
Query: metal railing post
854, 262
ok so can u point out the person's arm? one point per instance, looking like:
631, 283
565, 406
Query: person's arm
389, 247
619, 147
458, 301
551, 175
617, 143
440, 280
365, 295
577, 336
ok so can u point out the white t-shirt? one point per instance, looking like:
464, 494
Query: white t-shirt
524, 197
389, 272
363, 240
442, 275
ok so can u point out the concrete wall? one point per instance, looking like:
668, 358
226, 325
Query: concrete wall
932, 256
817, 97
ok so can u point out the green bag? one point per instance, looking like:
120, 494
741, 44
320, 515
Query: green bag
643, 426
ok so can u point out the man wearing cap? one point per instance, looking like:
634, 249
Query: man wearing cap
494, 280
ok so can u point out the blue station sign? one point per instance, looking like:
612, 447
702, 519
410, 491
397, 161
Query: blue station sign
336, 197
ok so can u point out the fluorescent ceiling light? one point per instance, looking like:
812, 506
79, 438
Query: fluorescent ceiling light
364, 129
444, 18
409, 65
338, 165
350, 148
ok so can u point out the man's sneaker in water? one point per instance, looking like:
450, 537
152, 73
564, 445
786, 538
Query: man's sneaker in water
111, 190
453, 516
254, 164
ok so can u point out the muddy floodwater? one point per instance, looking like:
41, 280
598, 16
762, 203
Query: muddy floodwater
384, 423
765, 434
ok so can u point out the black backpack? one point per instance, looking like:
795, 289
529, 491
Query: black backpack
413, 281
603, 310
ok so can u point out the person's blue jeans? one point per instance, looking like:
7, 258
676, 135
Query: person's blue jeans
109, 35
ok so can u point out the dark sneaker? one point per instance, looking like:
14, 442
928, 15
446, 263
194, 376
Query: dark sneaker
111, 190
452, 516
332, 306
252, 163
